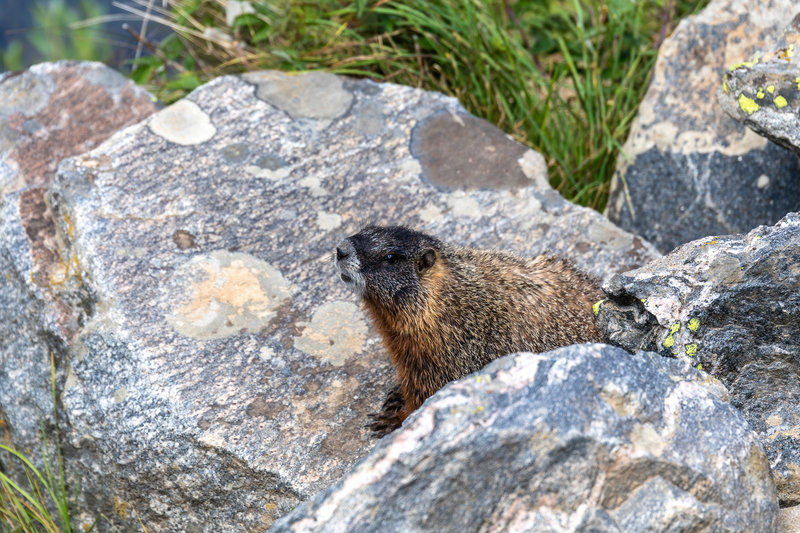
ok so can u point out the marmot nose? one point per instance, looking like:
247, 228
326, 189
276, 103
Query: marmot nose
344, 250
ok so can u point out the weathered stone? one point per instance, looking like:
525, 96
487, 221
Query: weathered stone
789, 520
48, 112
583, 438
732, 305
764, 93
223, 373
689, 170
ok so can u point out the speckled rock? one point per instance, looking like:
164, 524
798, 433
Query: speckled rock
223, 372
789, 520
688, 169
48, 112
764, 92
732, 305
583, 438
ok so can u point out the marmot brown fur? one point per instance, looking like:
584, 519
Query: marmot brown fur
445, 311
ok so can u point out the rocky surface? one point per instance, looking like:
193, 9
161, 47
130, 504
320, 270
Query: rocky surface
47, 113
764, 92
212, 371
730, 305
789, 520
688, 169
583, 438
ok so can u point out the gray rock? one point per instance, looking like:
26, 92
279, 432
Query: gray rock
689, 170
583, 438
789, 520
763, 93
48, 112
222, 373
730, 305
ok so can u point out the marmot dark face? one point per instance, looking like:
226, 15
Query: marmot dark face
385, 264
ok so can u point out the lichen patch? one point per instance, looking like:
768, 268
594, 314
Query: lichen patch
183, 123
228, 293
337, 331
328, 221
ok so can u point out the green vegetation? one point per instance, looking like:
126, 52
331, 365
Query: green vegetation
55, 35
562, 76
27, 506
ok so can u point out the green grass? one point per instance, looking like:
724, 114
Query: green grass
562, 76
55, 35
29, 505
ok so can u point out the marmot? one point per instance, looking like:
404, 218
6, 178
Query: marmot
445, 311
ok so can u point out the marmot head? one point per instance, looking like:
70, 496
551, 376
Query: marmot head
386, 265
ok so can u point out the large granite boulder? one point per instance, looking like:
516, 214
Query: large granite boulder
763, 93
583, 438
48, 112
730, 305
688, 169
212, 372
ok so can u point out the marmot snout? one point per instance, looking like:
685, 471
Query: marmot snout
445, 311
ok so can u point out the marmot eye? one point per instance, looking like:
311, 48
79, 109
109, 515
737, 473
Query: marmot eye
392, 258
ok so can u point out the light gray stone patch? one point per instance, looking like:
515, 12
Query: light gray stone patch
316, 95
369, 118
335, 334
270, 162
27, 93
183, 123
534, 167
226, 293
99, 74
236, 153
328, 221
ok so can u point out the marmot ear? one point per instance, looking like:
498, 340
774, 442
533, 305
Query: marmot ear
426, 260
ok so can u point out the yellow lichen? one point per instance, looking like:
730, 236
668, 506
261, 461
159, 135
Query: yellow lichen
770, 89
760, 93
676, 327
780, 102
70, 225
699, 366
120, 507
742, 64
725, 87
691, 349
693, 324
748, 105
668, 342
596, 307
